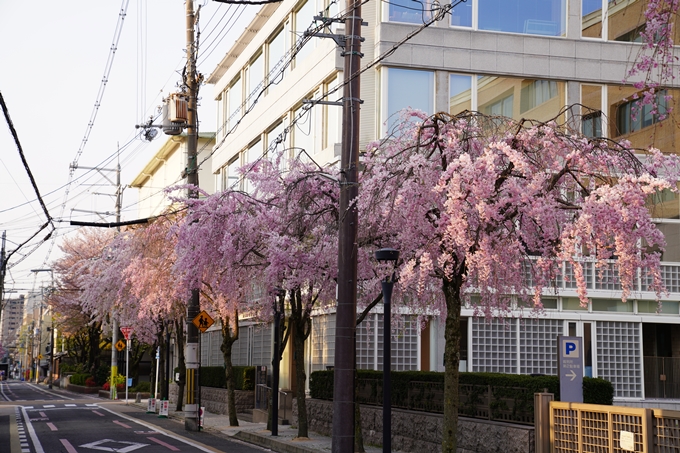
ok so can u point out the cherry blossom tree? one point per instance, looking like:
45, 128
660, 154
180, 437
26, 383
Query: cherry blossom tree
494, 207
82, 328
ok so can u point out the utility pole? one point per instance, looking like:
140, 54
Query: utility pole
343, 375
114, 320
191, 408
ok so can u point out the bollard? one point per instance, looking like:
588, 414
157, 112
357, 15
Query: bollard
138, 398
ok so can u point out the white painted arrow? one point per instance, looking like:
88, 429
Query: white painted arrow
572, 375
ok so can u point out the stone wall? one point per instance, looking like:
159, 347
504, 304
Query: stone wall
422, 432
215, 400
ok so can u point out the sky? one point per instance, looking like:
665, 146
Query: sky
53, 59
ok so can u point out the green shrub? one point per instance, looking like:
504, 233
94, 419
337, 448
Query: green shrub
79, 378
102, 374
142, 387
214, 376
595, 390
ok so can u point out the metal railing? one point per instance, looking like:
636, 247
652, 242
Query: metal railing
263, 399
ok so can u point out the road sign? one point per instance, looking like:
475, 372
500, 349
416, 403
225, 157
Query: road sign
39, 356
203, 321
570, 368
120, 345
127, 332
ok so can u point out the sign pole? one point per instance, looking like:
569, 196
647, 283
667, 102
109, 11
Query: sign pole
570, 368
127, 369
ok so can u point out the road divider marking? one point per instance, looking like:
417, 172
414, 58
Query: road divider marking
67, 445
166, 445
42, 414
52, 427
118, 422
98, 413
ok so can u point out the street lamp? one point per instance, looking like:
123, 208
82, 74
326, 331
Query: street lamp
278, 299
389, 256
51, 367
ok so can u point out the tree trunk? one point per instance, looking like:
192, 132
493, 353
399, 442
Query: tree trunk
300, 381
451, 360
227, 342
181, 364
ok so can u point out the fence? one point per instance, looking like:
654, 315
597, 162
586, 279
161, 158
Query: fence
612, 429
507, 404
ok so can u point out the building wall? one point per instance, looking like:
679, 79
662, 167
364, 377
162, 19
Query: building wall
497, 60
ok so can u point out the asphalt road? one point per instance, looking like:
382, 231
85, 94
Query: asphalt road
36, 420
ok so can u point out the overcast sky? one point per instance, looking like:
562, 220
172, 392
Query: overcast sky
52, 62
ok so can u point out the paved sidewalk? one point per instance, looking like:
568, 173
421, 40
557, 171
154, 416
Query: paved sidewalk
257, 434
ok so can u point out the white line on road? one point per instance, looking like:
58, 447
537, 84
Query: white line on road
155, 428
31, 431
68, 446
52, 427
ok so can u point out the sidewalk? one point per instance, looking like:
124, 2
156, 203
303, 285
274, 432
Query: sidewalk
257, 434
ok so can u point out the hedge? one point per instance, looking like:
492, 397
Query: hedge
79, 378
595, 390
214, 376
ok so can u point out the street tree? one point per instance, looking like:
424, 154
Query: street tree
496, 207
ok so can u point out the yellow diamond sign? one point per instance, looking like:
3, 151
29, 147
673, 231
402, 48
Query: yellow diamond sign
120, 345
203, 321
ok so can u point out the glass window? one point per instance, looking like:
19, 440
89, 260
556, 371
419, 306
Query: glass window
255, 78
235, 102
668, 307
232, 175
591, 18
409, 11
631, 116
533, 17
572, 303
520, 98
419, 94
331, 123
276, 143
612, 305
304, 132
461, 14
253, 153
276, 49
304, 17
591, 121
460, 93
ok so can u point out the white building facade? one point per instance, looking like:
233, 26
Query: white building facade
518, 58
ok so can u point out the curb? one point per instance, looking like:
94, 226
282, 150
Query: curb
268, 442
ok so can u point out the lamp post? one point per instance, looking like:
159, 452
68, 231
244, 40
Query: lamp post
276, 362
51, 361
387, 255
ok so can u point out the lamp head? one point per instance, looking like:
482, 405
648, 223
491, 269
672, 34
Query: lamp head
387, 255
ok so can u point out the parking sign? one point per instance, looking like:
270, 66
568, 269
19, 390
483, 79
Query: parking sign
570, 368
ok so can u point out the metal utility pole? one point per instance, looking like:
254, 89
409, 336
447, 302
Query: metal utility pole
343, 389
191, 416
114, 321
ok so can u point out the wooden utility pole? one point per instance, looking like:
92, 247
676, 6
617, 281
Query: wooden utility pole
343, 389
191, 408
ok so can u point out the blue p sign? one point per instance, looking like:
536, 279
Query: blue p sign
570, 349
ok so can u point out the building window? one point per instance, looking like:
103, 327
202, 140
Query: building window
460, 93
419, 95
276, 49
255, 78
592, 124
230, 176
235, 94
409, 11
461, 14
532, 17
304, 18
631, 116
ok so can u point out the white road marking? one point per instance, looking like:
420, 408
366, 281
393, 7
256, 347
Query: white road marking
31, 431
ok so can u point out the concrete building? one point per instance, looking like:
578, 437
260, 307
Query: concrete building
167, 168
518, 58
12, 316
